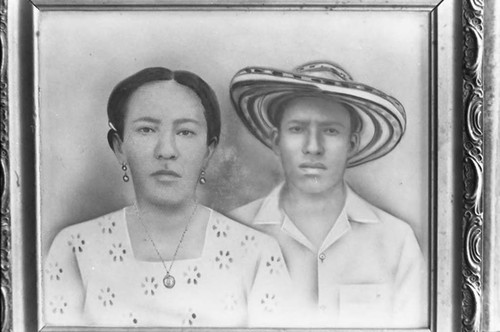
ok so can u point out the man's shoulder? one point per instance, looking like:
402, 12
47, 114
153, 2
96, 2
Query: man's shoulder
246, 213
387, 220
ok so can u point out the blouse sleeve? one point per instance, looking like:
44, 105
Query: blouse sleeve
268, 300
63, 287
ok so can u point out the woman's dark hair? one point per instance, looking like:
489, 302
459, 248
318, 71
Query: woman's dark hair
120, 95
278, 106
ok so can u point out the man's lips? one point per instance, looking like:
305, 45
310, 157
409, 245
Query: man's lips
166, 173
310, 165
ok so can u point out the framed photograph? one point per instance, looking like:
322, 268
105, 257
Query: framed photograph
347, 179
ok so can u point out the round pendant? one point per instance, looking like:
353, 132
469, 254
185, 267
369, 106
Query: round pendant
169, 281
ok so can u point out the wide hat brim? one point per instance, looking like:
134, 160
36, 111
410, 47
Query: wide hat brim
257, 91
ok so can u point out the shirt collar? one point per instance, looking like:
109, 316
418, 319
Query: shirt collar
356, 208
270, 212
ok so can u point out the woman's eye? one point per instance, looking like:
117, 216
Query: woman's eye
145, 130
186, 133
296, 129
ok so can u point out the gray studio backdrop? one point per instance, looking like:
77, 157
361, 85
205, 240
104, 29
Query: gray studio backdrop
83, 55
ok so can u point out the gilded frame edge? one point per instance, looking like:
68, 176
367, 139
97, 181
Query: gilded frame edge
473, 141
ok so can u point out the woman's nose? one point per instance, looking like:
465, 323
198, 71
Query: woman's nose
166, 147
313, 144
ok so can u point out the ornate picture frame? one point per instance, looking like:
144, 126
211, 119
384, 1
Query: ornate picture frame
463, 94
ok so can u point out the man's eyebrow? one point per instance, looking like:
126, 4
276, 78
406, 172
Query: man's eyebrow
293, 121
321, 123
147, 119
332, 123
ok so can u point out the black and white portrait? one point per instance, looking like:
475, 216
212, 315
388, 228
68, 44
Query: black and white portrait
235, 168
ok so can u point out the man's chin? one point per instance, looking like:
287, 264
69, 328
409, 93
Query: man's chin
314, 185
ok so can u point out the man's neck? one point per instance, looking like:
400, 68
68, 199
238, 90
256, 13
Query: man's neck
313, 214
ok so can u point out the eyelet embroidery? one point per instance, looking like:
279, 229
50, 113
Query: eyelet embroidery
269, 302
248, 243
220, 228
190, 318
149, 285
224, 259
106, 296
274, 265
192, 275
107, 226
117, 252
76, 242
133, 319
58, 304
54, 272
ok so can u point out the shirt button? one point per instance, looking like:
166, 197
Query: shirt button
322, 307
322, 257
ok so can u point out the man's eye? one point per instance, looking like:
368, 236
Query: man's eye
186, 133
331, 131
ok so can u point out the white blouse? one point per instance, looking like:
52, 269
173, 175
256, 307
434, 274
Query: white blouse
91, 277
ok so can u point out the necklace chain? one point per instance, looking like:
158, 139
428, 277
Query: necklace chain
168, 276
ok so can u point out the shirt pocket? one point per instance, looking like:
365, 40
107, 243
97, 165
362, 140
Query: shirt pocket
365, 305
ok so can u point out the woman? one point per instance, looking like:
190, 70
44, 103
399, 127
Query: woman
167, 260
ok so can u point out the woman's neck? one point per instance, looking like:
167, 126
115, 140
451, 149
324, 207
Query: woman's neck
154, 230
161, 218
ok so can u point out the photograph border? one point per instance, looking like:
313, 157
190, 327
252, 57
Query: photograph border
18, 157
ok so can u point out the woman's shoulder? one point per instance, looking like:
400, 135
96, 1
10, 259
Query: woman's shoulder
88, 237
102, 224
238, 231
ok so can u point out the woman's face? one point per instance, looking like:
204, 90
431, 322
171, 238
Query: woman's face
164, 142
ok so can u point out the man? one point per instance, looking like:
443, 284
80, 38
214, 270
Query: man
352, 264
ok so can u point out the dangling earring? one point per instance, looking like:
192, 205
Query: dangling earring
125, 176
203, 180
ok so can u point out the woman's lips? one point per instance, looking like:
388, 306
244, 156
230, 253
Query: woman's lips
166, 174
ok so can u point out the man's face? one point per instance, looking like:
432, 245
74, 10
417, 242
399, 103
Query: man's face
314, 142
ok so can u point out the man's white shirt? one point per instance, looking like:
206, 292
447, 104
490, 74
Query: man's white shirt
368, 272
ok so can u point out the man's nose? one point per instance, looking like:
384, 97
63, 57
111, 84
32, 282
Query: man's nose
166, 147
314, 143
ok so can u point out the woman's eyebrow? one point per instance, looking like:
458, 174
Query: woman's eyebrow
186, 120
295, 121
147, 119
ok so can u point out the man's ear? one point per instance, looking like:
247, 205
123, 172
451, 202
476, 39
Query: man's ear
275, 139
354, 144
116, 144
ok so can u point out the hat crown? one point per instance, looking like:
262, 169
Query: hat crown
324, 70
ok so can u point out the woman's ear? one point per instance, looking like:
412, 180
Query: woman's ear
210, 151
353, 144
116, 144
275, 139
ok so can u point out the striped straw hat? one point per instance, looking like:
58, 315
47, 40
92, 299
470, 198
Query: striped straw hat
256, 93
